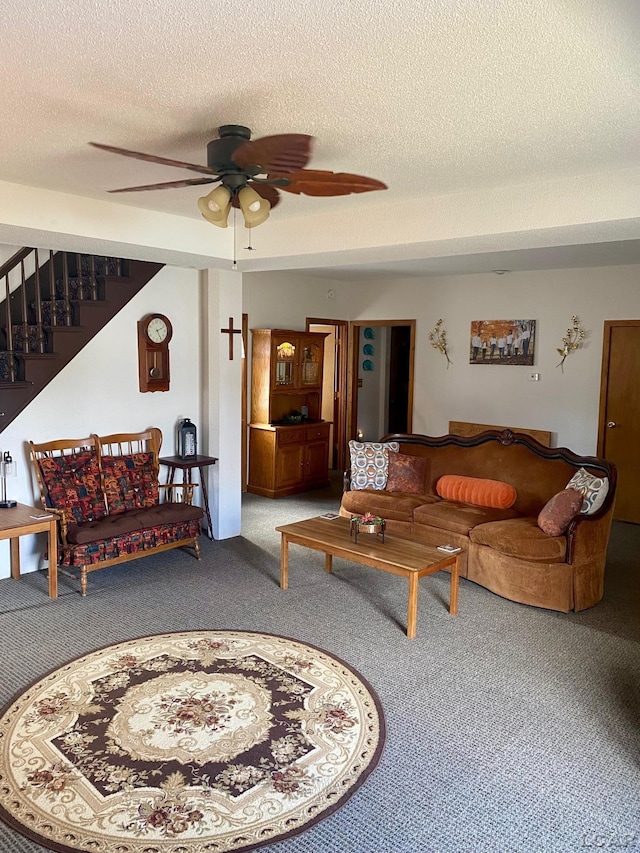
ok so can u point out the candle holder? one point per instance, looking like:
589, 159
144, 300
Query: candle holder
8, 468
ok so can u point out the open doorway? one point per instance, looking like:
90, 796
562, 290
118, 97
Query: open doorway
381, 369
335, 388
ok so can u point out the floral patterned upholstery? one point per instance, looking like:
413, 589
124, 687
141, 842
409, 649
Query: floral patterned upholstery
73, 485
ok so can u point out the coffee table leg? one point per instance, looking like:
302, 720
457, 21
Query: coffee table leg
453, 594
412, 616
284, 562
328, 562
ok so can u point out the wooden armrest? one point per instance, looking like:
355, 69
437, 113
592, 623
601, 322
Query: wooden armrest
62, 521
187, 491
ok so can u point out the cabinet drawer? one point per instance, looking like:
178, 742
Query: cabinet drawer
290, 436
318, 431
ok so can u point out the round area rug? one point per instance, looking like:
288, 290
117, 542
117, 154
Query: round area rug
196, 741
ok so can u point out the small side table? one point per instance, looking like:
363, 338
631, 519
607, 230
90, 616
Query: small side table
19, 521
187, 466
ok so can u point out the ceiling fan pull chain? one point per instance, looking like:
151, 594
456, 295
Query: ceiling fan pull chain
234, 265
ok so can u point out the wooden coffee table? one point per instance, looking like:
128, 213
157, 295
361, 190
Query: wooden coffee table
396, 555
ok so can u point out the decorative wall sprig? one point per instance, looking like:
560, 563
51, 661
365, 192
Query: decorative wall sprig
438, 338
571, 341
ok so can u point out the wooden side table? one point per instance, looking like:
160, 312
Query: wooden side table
187, 466
21, 520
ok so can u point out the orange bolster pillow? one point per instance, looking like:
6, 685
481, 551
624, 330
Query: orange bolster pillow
473, 490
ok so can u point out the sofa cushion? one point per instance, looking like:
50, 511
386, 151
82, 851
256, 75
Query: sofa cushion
131, 521
458, 517
521, 538
593, 490
558, 512
73, 485
130, 482
476, 490
167, 513
389, 505
370, 463
103, 528
406, 473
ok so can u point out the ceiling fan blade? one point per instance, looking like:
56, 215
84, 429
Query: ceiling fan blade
321, 183
283, 153
151, 158
190, 182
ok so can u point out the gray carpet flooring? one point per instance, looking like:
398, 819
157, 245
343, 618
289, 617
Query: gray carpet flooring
509, 729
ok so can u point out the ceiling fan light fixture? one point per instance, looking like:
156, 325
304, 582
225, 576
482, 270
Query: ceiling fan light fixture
215, 207
255, 209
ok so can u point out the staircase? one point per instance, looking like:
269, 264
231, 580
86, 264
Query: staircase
51, 305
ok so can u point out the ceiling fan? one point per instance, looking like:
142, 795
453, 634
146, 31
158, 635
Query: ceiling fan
251, 173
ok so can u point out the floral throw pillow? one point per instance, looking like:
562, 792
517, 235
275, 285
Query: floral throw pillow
73, 485
130, 482
370, 463
593, 490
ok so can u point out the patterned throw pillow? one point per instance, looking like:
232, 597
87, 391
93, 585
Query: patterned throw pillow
370, 463
129, 482
406, 473
559, 511
593, 490
73, 485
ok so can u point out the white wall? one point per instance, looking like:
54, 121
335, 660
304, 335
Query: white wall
98, 391
283, 300
564, 403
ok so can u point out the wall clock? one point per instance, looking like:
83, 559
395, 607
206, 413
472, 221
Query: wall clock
154, 334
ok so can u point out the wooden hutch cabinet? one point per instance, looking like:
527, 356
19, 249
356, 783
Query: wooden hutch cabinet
288, 451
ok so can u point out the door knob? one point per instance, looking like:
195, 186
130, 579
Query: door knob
611, 424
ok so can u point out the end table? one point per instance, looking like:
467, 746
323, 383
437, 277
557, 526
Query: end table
187, 466
20, 520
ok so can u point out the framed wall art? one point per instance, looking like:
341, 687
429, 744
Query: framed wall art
502, 342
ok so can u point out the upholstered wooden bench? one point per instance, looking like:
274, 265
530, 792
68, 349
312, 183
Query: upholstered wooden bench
109, 503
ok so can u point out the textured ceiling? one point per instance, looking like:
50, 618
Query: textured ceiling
430, 96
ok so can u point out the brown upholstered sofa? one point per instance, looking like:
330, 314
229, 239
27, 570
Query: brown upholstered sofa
503, 549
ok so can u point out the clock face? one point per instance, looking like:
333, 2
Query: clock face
157, 330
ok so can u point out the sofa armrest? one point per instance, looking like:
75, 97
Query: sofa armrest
183, 492
62, 522
588, 537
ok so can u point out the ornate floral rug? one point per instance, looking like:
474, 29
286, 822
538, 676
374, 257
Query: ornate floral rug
196, 741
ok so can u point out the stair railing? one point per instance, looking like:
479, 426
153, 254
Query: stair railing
25, 320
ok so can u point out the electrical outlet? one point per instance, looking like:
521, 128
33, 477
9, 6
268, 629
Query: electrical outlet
534, 377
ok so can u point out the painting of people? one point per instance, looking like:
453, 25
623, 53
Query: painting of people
502, 342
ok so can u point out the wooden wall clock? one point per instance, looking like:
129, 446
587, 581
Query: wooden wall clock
154, 334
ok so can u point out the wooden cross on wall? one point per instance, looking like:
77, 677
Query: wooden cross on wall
231, 332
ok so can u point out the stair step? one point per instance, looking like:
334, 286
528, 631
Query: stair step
37, 369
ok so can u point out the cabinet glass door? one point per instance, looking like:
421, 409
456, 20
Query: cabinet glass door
284, 364
310, 364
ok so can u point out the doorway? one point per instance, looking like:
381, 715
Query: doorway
335, 388
619, 418
381, 370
